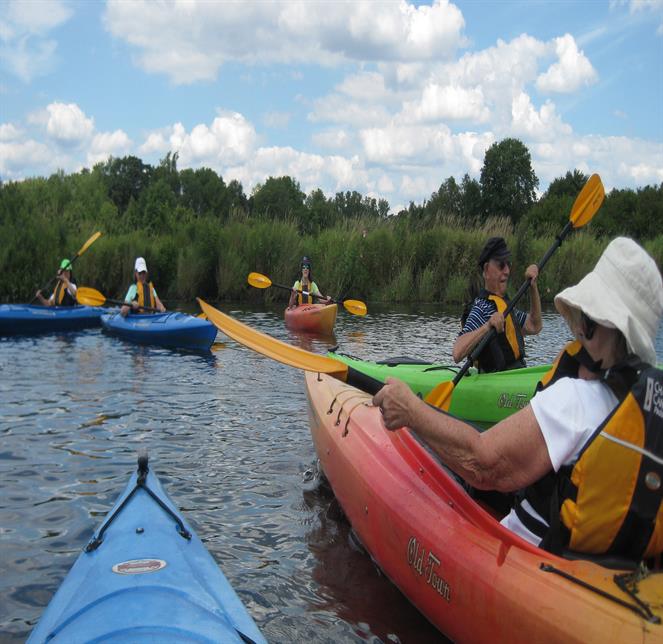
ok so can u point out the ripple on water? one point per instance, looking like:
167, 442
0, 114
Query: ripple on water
228, 435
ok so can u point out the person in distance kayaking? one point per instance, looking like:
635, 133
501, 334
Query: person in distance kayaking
585, 454
142, 292
64, 293
507, 349
306, 283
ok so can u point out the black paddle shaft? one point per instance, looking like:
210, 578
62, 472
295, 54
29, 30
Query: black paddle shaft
512, 303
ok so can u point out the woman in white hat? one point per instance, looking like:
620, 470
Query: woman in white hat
141, 293
614, 313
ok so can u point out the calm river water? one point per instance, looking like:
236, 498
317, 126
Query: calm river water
227, 434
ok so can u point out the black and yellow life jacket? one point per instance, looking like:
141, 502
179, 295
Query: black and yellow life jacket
144, 295
61, 296
304, 299
506, 350
610, 501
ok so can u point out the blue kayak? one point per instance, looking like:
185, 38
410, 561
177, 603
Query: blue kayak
177, 330
26, 319
145, 576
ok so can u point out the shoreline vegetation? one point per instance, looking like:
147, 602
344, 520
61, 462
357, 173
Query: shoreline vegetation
202, 237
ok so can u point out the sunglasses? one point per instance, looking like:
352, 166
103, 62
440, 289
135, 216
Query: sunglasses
306, 266
589, 325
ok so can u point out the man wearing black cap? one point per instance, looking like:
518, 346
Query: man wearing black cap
507, 349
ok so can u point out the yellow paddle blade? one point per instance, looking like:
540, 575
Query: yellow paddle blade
440, 395
88, 243
587, 202
259, 281
356, 307
271, 347
89, 296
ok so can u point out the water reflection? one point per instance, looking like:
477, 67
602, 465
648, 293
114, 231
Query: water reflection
228, 435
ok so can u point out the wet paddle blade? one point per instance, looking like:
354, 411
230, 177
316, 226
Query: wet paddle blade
271, 347
440, 395
356, 307
587, 202
259, 281
89, 296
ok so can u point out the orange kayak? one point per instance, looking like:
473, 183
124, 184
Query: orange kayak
312, 318
472, 578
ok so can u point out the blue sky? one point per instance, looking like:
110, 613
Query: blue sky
386, 98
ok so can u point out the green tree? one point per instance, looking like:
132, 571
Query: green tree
279, 198
569, 185
508, 181
125, 178
205, 193
471, 207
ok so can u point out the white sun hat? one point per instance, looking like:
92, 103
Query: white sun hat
140, 264
625, 292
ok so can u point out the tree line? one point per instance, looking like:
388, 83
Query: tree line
201, 235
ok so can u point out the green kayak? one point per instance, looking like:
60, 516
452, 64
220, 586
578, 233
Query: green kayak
483, 399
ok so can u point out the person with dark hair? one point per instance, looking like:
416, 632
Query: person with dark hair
507, 349
305, 284
64, 293
585, 455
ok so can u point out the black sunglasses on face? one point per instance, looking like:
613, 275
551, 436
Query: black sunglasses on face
306, 266
589, 325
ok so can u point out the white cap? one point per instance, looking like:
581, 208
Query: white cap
625, 292
140, 265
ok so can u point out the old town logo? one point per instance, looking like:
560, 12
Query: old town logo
513, 401
427, 566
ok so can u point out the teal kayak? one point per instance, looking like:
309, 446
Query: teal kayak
483, 399
176, 330
145, 576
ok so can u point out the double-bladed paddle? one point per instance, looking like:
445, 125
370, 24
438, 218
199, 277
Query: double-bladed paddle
84, 247
356, 307
584, 208
92, 297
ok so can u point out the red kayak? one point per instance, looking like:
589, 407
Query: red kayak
312, 318
472, 578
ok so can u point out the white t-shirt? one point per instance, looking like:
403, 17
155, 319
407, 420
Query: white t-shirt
568, 413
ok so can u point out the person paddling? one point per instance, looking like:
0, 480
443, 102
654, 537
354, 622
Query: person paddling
305, 283
585, 454
64, 293
142, 292
507, 349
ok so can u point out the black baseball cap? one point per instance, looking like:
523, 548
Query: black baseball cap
495, 248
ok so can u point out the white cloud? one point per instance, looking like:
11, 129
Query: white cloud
9, 132
449, 102
533, 124
190, 41
650, 6
24, 49
16, 155
105, 144
67, 124
572, 71
332, 139
229, 140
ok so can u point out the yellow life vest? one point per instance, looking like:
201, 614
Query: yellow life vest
305, 299
144, 294
506, 350
610, 502
61, 296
